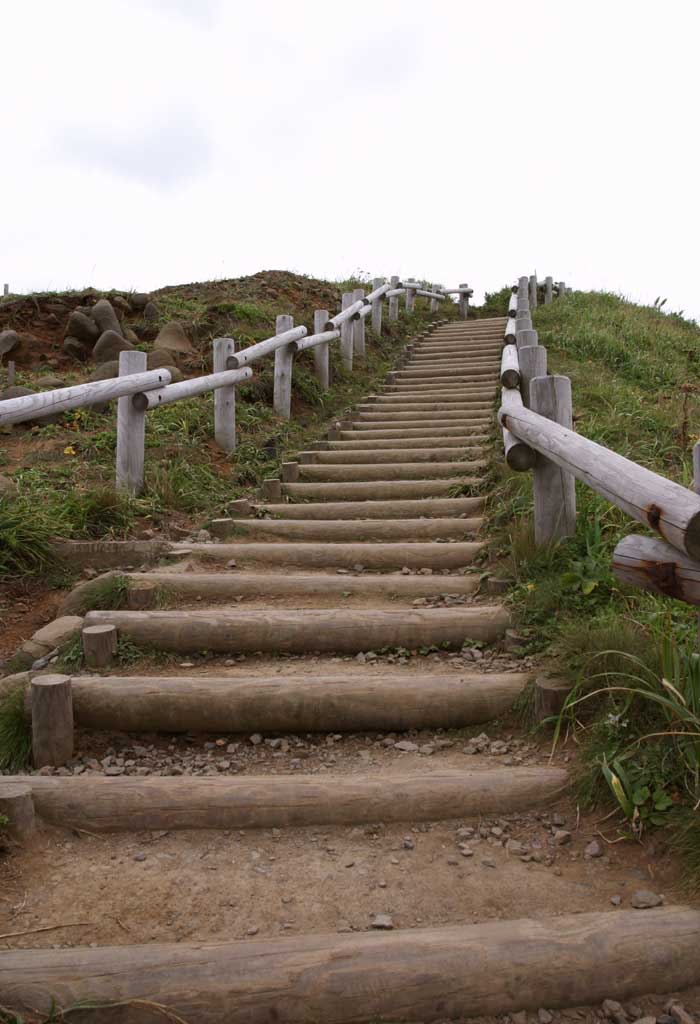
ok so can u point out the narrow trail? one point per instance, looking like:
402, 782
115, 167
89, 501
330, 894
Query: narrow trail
425, 876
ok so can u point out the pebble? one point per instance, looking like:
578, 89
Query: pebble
139, 856
544, 1016
406, 746
561, 837
679, 1013
488, 862
382, 922
644, 899
614, 1011
256, 739
593, 850
616, 900
253, 930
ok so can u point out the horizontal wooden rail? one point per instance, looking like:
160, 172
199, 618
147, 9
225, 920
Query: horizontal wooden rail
395, 292
189, 388
378, 293
264, 348
48, 403
430, 295
350, 313
314, 339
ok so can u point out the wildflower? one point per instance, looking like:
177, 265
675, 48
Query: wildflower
70, 450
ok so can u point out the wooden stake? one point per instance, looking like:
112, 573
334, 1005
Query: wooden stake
394, 300
377, 308
553, 488
548, 290
131, 430
358, 327
99, 645
533, 363
533, 291
346, 334
11, 373
322, 352
52, 720
17, 805
463, 301
224, 398
284, 361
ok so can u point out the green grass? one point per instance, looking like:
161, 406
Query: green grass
15, 732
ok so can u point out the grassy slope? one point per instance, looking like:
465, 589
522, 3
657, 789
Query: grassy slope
634, 374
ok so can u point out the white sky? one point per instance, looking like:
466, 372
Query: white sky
152, 142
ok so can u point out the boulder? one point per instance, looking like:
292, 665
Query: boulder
82, 327
130, 335
105, 317
158, 358
16, 391
120, 304
173, 338
176, 375
49, 382
106, 371
9, 340
8, 488
151, 311
108, 347
138, 301
76, 349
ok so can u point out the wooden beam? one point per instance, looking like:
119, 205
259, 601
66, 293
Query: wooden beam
52, 720
224, 398
554, 491
131, 430
652, 564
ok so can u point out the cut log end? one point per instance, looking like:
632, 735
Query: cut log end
550, 697
17, 805
692, 537
520, 457
99, 645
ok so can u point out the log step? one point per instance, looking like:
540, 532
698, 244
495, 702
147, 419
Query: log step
372, 490
429, 508
406, 443
346, 530
338, 555
388, 470
443, 405
391, 455
428, 430
346, 631
261, 586
294, 704
129, 804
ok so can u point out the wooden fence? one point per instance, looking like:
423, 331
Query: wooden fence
139, 391
538, 435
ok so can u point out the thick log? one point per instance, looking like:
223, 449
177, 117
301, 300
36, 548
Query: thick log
358, 326
284, 362
554, 490
391, 455
371, 490
350, 310
292, 704
17, 805
128, 803
652, 564
264, 348
322, 352
131, 430
351, 530
52, 720
396, 509
439, 432
99, 645
419, 974
510, 368
666, 507
509, 335
375, 297
468, 442
305, 630
371, 556
220, 382
512, 305
527, 338
533, 291
393, 296
519, 456
533, 363
548, 290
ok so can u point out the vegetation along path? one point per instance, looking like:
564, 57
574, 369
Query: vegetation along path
334, 816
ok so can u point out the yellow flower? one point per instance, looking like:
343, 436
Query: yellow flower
531, 586
70, 450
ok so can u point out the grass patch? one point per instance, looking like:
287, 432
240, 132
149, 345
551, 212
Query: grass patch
15, 732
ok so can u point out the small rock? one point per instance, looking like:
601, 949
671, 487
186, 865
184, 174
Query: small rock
614, 1011
106, 371
256, 739
593, 850
544, 1016
139, 856
252, 930
561, 837
173, 338
616, 900
9, 341
644, 899
104, 316
488, 862
519, 1017
406, 746
8, 488
108, 347
382, 922
408, 843
680, 1014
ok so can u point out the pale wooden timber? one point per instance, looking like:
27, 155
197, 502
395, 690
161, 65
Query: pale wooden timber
48, 403
396, 509
468, 442
554, 492
440, 432
346, 332
322, 351
318, 703
352, 530
411, 288
527, 339
264, 348
464, 300
317, 339
419, 974
358, 326
533, 363
669, 509
52, 720
375, 298
17, 806
509, 335
284, 362
472, 403
388, 471
389, 455
99, 645
356, 490
218, 382
519, 456
652, 564
512, 305
533, 291
548, 290
372, 556
379, 290
224, 397
131, 804
510, 369
345, 631
350, 310
131, 430
393, 298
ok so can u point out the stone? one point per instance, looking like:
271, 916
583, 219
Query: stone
130, 335
8, 488
561, 837
256, 739
616, 900
406, 746
520, 1017
488, 862
81, 327
106, 371
593, 850
105, 317
382, 922
15, 391
544, 1016
614, 1011
680, 1014
157, 359
49, 382
59, 631
138, 301
176, 374
173, 338
140, 856
108, 347
151, 311
644, 899
9, 341
76, 349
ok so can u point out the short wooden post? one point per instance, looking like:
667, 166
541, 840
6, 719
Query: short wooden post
434, 303
52, 720
141, 596
526, 337
99, 645
346, 333
322, 352
548, 290
553, 488
284, 361
533, 291
377, 308
533, 363
523, 287
358, 327
394, 300
411, 286
522, 323
561, 289
131, 429
550, 697
17, 805
224, 398
11, 373
463, 300
6, 289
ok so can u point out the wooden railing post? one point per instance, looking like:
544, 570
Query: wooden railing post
532, 360
284, 361
463, 300
131, 429
533, 291
411, 287
394, 300
561, 289
224, 398
6, 289
554, 489
346, 334
358, 327
322, 352
548, 290
377, 308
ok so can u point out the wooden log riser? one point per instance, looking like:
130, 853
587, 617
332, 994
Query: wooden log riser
393, 455
304, 630
468, 442
229, 586
389, 471
291, 704
426, 432
409, 421
374, 490
372, 556
373, 509
472, 403
351, 531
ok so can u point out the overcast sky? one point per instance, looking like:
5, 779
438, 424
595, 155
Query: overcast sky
152, 142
